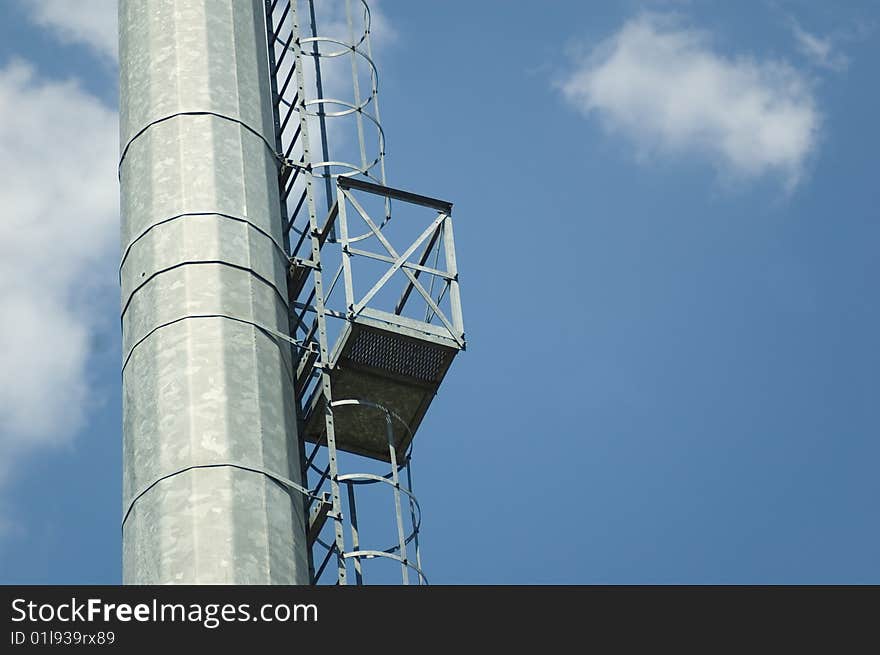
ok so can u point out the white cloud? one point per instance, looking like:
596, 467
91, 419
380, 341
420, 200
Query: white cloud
89, 22
819, 50
58, 190
663, 87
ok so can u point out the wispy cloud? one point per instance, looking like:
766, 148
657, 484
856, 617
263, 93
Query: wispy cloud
820, 51
88, 22
663, 87
58, 191
60, 196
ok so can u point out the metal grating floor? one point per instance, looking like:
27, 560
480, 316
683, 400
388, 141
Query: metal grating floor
399, 372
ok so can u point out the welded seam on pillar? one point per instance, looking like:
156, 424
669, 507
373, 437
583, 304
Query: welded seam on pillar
146, 128
201, 262
238, 219
269, 332
275, 477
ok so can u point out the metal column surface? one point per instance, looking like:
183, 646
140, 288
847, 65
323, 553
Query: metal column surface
211, 451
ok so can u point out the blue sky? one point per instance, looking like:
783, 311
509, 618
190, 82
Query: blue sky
667, 226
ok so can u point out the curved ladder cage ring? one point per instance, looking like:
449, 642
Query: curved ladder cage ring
354, 108
347, 49
351, 109
348, 402
374, 71
391, 549
387, 476
353, 170
370, 554
368, 21
395, 548
354, 479
369, 478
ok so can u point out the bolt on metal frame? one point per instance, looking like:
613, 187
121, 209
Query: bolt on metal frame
294, 40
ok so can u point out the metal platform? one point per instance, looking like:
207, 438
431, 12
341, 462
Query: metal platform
400, 372
368, 364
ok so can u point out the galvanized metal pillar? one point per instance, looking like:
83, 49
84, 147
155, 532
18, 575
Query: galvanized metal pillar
211, 452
